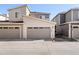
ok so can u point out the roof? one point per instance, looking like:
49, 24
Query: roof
12, 21
74, 9
73, 22
70, 22
40, 12
40, 19
19, 7
58, 14
65, 12
4, 15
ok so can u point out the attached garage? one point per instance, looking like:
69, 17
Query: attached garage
9, 32
70, 30
35, 28
38, 32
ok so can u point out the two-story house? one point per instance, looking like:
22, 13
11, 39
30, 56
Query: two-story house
59, 18
21, 26
70, 27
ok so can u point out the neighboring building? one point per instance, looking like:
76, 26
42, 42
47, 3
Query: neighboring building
3, 17
69, 30
21, 26
41, 15
72, 15
59, 18
69, 16
70, 27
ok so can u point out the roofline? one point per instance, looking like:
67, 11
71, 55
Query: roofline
57, 15
9, 23
72, 10
40, 12
66, 12
70, 22
40, 19
3, 15
19, 7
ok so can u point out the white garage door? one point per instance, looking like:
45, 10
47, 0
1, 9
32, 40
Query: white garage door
38, 32
75, 32
9, 32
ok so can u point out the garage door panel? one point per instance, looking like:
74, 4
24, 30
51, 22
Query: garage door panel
75, 31
9, 33
38, 33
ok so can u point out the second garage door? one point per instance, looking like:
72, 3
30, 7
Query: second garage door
9, 32
38, 32
75, 32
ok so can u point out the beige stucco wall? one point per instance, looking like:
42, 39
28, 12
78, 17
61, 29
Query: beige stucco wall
57, 19
34, 22
37, 15
22, 11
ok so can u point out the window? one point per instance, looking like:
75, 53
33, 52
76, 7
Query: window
46, 16
5, 27
40, 27
44, 27
40, 17
47, 27
35, 27
16, 14
16, 27
10, 27
29, 27
75, 27
0, 27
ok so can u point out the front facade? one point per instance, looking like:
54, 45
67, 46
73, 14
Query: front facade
21, 26
35, 28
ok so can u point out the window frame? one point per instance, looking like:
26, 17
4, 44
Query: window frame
16, 14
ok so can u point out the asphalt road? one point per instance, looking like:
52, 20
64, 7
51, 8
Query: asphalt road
38, 47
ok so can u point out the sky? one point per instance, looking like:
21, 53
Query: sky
53, 9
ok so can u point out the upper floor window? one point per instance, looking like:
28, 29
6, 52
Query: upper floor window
16, 14
40, 17
46, 16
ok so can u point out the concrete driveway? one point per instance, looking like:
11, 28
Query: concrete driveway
38, 47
